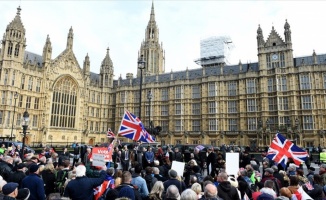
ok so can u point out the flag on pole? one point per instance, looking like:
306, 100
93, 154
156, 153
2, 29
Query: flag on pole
131, 127
281, 149
110, 134
200, 147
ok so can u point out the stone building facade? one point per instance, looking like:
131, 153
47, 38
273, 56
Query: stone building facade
243, 104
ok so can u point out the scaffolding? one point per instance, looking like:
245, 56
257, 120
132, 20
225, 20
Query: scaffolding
215, 50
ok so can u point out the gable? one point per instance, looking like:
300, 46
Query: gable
274, 39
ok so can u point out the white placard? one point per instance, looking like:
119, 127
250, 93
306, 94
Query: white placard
232, 164
98, 160
178, 167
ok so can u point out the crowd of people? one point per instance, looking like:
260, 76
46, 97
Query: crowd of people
146, 174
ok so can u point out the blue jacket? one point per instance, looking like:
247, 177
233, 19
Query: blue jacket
81, 188
149, 155
35, 185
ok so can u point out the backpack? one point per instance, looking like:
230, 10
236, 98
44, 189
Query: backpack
103, 196
60, 179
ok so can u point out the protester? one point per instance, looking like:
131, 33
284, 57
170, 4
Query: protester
126, 182
225, 189
34, 183
156, 192
84, 184
173, 180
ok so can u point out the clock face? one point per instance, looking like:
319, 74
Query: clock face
274, 56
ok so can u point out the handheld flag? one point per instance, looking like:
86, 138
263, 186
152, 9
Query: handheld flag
131, 127
281, 149
110, 134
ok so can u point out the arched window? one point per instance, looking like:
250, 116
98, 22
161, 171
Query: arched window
106, 80
22, 82
17, 50
13, 78
6, 77
10, 48
64, 103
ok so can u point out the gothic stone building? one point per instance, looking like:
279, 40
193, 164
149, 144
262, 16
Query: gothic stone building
243, 104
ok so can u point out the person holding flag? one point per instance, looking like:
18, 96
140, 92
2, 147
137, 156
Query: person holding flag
131, 127
282, 149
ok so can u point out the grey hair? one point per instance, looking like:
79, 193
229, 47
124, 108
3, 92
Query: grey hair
188, 194
172, 192
155, 170
209, 188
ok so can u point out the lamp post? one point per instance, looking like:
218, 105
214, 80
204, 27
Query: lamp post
13, 116
25, 125
149, 97
141, 66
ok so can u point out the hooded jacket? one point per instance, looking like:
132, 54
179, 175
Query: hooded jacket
227, 192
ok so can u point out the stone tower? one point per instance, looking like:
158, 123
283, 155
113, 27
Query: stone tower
14, 41
275, 52
152, 50
106, 71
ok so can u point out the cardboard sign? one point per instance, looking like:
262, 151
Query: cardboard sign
178, 167
232, 164
98, 159
104, 151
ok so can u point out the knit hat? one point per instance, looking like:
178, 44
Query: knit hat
265, 196
9, 188
269, 170
21, 166
80, 171
127, 191
173, 173
33, 168
23, 194
112, 195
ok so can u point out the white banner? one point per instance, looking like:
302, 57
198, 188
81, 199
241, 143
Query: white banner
178, 167
232, 164
98, 159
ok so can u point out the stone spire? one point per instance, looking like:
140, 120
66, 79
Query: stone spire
287, 32
260, 37
47, 50
70, 39
152, 49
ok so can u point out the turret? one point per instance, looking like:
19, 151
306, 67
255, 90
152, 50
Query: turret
314, 57
287, 33
106, 71
86, 66
47, 51
70, 39
14, 42
260, 38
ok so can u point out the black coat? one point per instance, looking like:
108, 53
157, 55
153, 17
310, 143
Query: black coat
227, 192
136, 192
17, 177
48, 179
5, 170
81, 188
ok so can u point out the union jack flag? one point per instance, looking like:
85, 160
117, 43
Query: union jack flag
149, 138
282, 149
110, 134
131, 127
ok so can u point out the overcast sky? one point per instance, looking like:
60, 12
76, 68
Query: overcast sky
120, 25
